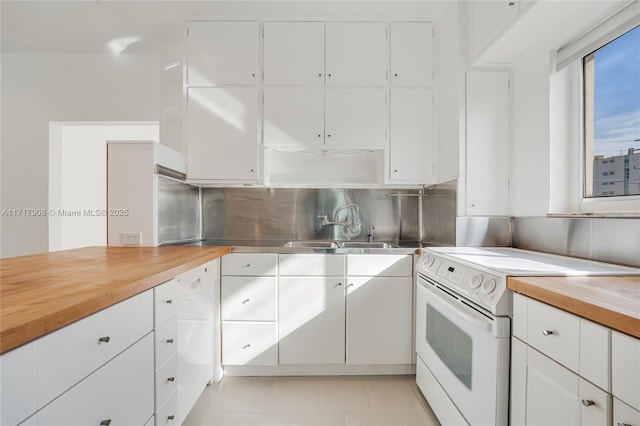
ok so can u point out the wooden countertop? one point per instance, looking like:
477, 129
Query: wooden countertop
44, 292
611, 301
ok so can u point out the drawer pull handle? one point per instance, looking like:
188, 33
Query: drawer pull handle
338, 285
246, 346
171, 379
105, 422
588, 402
171, 417
547, 332
248, 265
245, 301
197, 280
105, 339
624, 424
350, 285
169, 301
169, 340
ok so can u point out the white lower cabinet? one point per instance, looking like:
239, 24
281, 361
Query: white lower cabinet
311, 320
19, 383
111, 395
379, 320
560, 368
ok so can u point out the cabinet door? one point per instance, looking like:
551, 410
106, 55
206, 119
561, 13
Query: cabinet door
487, 19
595, 405
625, 368
222, 134
412, 153
356, 53
487, 156
294, 116
379, 320
411, 53
311, 320
355, 118
293, 53
624, 414
18, 382
195, 362
222, 53
552, 392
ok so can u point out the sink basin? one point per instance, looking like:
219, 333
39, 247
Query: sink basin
312, 244
366, 244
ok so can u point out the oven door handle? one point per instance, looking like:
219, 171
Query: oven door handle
466, 313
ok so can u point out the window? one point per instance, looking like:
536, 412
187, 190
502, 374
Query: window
612, 118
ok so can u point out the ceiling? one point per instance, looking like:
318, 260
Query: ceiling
87, 26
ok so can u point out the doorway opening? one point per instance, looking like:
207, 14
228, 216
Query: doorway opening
78, 178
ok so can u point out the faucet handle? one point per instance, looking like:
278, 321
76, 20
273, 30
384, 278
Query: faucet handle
323, 218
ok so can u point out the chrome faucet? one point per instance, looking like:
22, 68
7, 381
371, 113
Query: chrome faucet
350, 221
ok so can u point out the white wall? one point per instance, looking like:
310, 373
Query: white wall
40, 88
78, 180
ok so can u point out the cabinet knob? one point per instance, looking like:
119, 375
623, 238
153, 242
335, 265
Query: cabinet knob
512, 3
171, 379
251, 170
329, 75
248, 265
320, 135
395, 170
338, 285
547, 332
245, 301
169, 340
320, 74
169, 301
349, 285
253, 74
171, 417
588, 402
105, 339
329, 135
247, 346
106, 422
395, 75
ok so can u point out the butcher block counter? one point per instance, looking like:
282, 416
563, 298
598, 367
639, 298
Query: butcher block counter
611, 301
44, 292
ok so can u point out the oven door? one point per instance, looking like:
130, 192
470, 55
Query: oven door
466, 350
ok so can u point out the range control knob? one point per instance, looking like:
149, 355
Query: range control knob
428, 261
488, 286
476, 280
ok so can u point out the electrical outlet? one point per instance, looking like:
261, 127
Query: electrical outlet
131, 238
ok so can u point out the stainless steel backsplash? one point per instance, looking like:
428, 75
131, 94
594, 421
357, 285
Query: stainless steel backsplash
178, 211
249, 214
603, 239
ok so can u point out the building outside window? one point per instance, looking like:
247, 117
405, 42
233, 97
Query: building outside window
612, 118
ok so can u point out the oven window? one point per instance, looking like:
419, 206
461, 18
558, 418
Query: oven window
452, 345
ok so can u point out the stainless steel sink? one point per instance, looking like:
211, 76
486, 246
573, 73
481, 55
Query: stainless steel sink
312, 244
367, 244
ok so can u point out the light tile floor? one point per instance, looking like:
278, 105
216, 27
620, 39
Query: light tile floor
313, 401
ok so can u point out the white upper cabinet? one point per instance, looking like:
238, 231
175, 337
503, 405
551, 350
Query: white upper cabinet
356, 53
487, 167
293, 53
355, 118
294, 116
412, 149
222, 130
220, 53
411, 53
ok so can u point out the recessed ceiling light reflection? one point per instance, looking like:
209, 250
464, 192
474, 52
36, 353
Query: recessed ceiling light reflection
119, 45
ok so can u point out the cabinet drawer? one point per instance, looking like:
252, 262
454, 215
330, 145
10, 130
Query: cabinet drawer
554, 332
66, 356
166, 342
311, 264
249, 343
624, 415
625, 368
595, 350
165, 301
166, 380
251, 264
380, 265
113, 393
196, 290
167, 414
248, 299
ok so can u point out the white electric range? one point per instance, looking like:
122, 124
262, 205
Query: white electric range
463, 325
